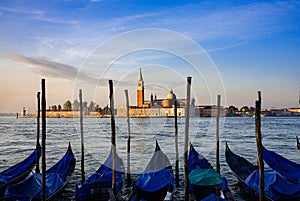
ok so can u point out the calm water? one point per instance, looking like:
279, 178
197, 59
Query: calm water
18, 136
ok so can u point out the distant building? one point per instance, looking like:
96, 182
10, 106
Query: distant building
155, 107
208, 111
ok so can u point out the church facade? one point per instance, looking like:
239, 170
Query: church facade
155, 107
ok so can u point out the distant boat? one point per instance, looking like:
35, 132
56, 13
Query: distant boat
157, 180
57, 178
19, 171
205, 182
98, 185
277, 187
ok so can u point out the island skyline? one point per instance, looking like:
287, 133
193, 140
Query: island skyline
253, 46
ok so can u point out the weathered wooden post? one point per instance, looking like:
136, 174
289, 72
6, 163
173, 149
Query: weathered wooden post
43, 140
217, 135
186, 139
38, 116
128, 140
259, 147
81, 137
113, 136
176, 146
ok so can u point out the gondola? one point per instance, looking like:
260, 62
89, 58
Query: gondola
298, 143
19, 171
98, 185
57, 178
276, 186
204, 181
285, 167
156, 181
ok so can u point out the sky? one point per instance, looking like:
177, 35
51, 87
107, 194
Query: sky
232, 48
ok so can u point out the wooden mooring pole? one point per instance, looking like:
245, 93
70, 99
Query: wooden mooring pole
186, 139
38, 116
81, 137
43, 140
128, 139
176, 146
217, 135
113, 136
259, 146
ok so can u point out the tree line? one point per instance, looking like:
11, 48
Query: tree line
75, 106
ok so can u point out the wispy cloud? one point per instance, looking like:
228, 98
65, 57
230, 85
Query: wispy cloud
48, 68
56, 20
227, 47
199, 21
20, 10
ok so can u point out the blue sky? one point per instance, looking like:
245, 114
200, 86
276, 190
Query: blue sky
254, 45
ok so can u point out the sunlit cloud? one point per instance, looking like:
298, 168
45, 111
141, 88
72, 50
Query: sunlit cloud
48, 68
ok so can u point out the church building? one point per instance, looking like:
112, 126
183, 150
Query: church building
155, 107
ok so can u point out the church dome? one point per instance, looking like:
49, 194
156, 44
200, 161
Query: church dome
171, 96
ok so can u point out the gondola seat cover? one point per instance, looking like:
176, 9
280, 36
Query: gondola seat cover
205, 177
276, 186
213, 197
56, 176
285, 167
101, 179
151, 181
20, 168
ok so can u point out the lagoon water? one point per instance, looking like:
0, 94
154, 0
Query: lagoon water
18, 138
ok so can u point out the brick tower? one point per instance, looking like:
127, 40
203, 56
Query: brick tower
140, 90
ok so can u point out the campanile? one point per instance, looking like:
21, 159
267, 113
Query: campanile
140, 90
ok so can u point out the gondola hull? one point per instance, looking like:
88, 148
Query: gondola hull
98, 186
18, 172
203, 179
57, 178
156, 180
277, 187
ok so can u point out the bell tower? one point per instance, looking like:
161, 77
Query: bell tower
140, 90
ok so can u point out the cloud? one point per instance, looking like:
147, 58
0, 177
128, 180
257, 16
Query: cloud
57, 20
48, 68
22, 11
227, 47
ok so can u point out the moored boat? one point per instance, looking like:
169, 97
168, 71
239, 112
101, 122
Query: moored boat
19, 171
285, 167
204, 182
57, 178
98, 185
276, 186
156, 181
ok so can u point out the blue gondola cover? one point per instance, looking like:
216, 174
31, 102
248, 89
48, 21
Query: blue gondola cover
18, 169
284, 166
101, 179
276, 186
151, 181
56, 176
213, 197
